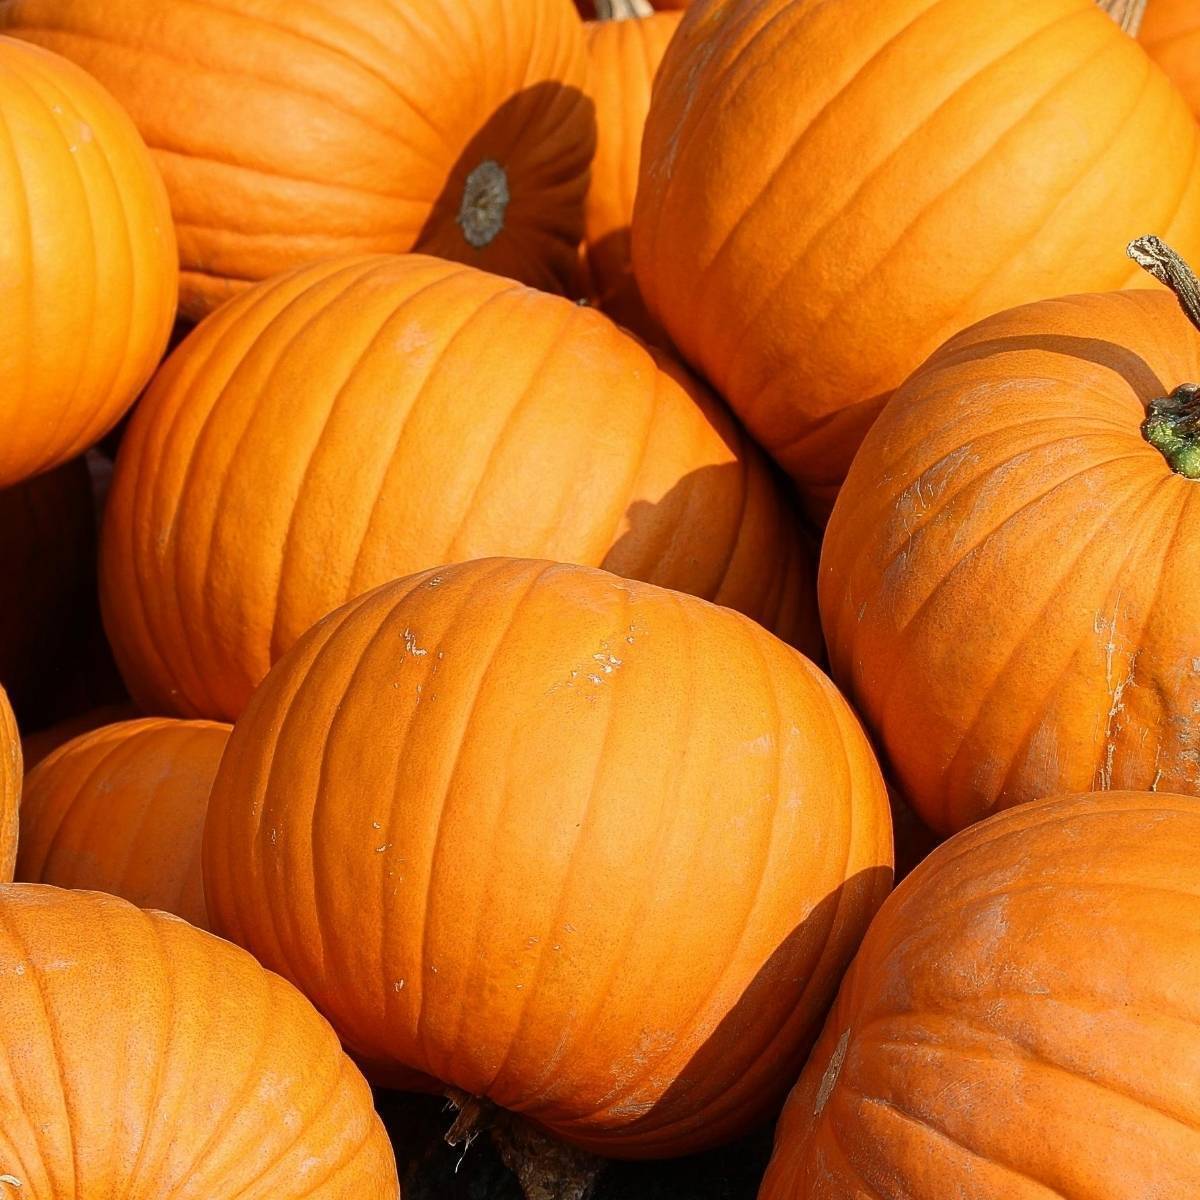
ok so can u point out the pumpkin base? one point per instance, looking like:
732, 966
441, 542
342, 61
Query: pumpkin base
546, 1168
484, 203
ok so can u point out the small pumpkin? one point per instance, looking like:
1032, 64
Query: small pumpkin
1020, 1021
10, 787
1171, 35
1006, 584
590, 850
818, 210
121, 809
88, 270
293, 132
141, 1057
414, 412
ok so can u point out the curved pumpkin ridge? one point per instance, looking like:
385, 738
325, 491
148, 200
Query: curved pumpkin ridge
1171, 35
10, 787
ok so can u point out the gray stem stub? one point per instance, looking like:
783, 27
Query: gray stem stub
485, 200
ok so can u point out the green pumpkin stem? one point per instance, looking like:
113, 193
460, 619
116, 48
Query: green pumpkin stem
1172, 424
1127, 13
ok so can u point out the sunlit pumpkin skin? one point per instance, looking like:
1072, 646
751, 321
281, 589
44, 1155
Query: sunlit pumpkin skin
1171, 35
1020, 1022
624, 58
42, 742
121, 809
88, 269
594, 850
412, 412
144, 1058
292, 132
1006, 583
47, 582
10, 787
818, 209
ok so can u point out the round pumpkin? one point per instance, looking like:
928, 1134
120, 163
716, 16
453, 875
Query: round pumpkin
144, 1058
47, 582
1006, 584
589, 849
88, 270
43, 742
10, 787
410, 412
624, 58
1171, 35
818, 209
1020, 1021
292, 132
121, 809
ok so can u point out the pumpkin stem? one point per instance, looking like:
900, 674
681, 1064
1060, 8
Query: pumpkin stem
1172, 424
622, 10
1127, 13
485, 200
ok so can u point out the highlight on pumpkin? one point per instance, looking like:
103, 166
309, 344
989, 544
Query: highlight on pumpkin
598, 599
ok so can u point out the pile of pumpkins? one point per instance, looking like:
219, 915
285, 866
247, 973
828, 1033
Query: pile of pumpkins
502, 415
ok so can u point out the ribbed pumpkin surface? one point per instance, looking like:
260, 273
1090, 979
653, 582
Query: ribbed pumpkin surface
10, 788
121, 810
594, 850
1022, 1021
820, 207
1171, 35
1010, 550
88, 270
408, 412
142, 1058
290, 132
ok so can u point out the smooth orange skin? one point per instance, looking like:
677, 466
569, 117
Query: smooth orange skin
624, 58
819, 209
1006, 584
88, 269
121, 809
1020, 1022
43, 742
10, 787
292, 132
592, 849
411, 412
145, 1059
1171, 35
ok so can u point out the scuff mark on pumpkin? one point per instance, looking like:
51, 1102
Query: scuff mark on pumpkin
830, 1078
410, 644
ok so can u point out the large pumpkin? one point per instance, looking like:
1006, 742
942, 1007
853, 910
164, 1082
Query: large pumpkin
121, 809
140, 1057
595, 851
1007, 582
1020, 1022
819, 209
625, 54
409, 412
10, 788
88, 271
290, 132
1171, 35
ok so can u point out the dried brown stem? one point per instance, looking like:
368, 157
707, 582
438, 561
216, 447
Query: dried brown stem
1127, 13
622, 10
1168, 266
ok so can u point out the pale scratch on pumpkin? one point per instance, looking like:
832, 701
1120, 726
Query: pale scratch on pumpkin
830, 1078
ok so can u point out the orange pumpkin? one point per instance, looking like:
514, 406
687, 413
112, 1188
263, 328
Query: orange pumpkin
1020, 1021
1171, 35
10, 788
624, 58
293, 132
411, 412
47, 582
593, 850
818, 209
42, 742
121, 809
88, 273
1006, 583
143, 1058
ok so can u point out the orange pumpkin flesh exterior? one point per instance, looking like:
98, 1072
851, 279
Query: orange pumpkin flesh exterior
1171, 35
88, 272
624, 58
43, 742
1005, 583
1020, 1021
593, 850
412, 412
818, 210
10, 787
121, 810
288, 133
144, 1058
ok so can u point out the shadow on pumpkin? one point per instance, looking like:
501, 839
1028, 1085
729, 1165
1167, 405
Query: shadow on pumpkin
526, 219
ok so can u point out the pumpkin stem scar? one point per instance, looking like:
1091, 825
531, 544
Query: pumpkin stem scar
485, 200
11, 1180
1127, 13
621, 10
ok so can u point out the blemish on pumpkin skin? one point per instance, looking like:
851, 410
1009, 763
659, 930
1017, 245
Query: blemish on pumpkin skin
830, 1078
